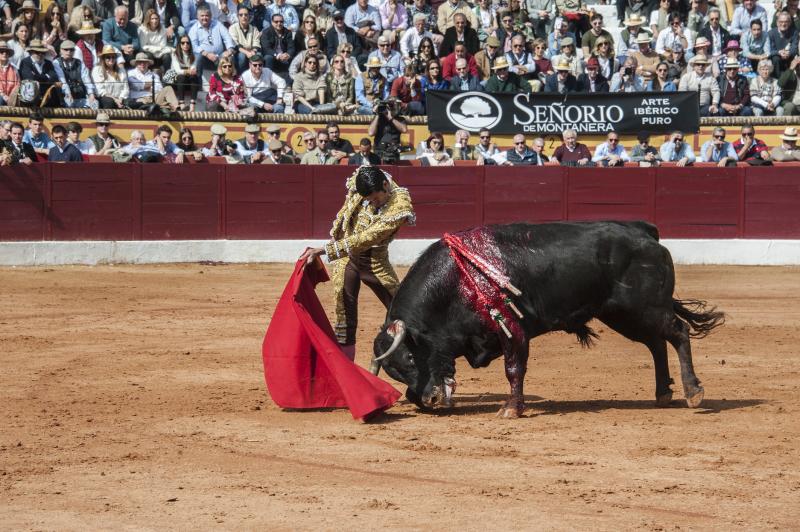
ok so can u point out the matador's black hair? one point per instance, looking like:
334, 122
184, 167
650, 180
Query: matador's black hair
369, 179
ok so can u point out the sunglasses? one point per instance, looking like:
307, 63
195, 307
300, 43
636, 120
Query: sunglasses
678, 139
185, 42
519, 143
747, 134
383, 45
613, 140
226, 66
337, 61
276, 152
308, 140
720, 137
661, 70
273, 133
485, 136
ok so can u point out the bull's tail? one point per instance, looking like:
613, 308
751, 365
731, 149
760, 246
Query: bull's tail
701, 321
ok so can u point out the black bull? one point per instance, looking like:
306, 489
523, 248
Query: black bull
568, 273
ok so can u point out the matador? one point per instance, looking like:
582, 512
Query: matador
374, 209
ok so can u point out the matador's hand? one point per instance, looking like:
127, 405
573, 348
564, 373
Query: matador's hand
311, 254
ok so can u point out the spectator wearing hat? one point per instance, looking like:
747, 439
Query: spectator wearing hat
446, 15
88, 47
74, 131
277, 46
145, 87
274, 133
765, 94
718, 150
62, 151
571, 152
783, 43
702, 47
9, 77
459, 32
734, 91
755, 44
365, 20
676, 150
604, 55
464, 80
569, 57
391, 60
36, 68
218, 146
28, 15
103, 141
275, 154
76, 81
632, 37
110, 80
646, 58
676, 34
252, 147
626, 79
643, 153
321, 154
485, 58
460, 52
312, 50
554, 39
503, 80
371, 87
747, 11
264, 88
210, 41
592, 81
246, 38
788, 150
676, 63
733, 51
364, 156
164, 146
714, 32
412, 37
751, 149
563, 81
704, 83
340, 33
596, 31
121, 33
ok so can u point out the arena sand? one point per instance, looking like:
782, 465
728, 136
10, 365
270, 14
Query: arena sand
133, 398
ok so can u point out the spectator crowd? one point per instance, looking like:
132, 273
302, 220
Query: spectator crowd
27, 145
349, 57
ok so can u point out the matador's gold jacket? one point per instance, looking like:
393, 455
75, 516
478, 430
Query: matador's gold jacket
358, 226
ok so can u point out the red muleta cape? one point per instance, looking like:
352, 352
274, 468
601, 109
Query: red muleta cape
303, 364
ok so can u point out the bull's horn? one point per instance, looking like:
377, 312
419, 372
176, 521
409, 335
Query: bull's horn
398, 330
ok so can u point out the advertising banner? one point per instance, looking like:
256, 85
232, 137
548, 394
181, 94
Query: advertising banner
544, 113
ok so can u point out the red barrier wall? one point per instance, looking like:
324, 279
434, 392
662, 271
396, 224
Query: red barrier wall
103, 201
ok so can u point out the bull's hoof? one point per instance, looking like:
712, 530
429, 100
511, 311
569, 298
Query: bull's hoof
695, 400
508, 412
664, 400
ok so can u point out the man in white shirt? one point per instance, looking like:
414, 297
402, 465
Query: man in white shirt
611, 153
263, 87
164, 145
146, 88
252, 147
409, 42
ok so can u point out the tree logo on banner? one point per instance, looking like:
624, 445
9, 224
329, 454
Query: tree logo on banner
474, 110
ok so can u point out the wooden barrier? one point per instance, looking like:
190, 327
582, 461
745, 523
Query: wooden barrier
105, 201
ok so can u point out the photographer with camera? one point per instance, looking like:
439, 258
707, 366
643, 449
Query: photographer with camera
626, 80
219, 145
386, 129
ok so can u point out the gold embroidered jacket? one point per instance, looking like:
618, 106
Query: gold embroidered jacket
358, 226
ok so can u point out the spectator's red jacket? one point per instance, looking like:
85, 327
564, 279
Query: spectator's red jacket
449, 66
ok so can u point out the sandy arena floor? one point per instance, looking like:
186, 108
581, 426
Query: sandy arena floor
134, 398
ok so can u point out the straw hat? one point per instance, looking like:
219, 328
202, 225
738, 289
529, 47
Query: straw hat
36, 46
374, 62
28, 5
732, 45
643, 38
273, 128
790, 133
218, 129
87, 28
500, 63
635, 20
108, 50
252, 128
568, 41
563, 65
700, 60
4, 46
142, 57
491, 40
701, 41
102, 118
731, 63
275, 145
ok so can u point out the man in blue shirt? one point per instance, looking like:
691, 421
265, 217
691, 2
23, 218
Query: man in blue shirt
611, 153
365, 20
717, 150
210, 41
121, 33
36, 136
675, 150
63, 151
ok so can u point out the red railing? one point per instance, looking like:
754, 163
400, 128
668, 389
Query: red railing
205, 201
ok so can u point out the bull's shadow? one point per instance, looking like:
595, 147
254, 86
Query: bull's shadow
538, 406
